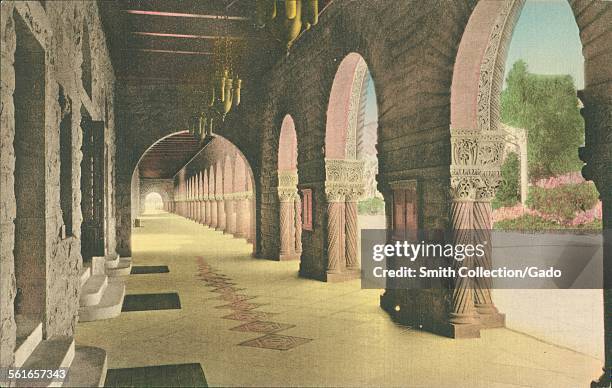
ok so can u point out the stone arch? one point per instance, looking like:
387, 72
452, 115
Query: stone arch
477, 140
289, 235
343, 108
153, 196
344, 173
164, 187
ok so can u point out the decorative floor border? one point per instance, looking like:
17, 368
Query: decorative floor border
244, 309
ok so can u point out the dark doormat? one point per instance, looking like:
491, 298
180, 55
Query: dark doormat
144, 269
180, 375
144, 302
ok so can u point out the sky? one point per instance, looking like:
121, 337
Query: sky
546, 37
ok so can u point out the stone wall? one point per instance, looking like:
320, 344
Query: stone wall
58, 28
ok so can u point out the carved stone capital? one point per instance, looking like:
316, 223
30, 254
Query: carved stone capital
344, 179
287, 179
335, 192
476, 158
287, 194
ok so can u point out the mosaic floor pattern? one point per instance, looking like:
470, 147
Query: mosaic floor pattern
243, 311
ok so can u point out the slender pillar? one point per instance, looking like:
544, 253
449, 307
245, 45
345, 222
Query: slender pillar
220, 214
241, 217
298, 226
286, 226
335, 226
230, 216
248, 217
208, 220
488, 314
352, 233
214, 209
203, 210
462, 309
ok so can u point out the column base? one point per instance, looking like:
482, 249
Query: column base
288, 256
342, 276
491, 321
489, 316
457, 330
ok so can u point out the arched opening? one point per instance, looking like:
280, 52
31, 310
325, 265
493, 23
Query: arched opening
351, 165
294, 211
153, 203
495, 112
214, 188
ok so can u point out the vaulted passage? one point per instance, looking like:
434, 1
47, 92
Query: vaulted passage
217, 192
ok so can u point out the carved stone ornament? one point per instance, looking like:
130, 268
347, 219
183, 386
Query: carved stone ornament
343, 179
353, 114
476, 161
287, 179
492, 66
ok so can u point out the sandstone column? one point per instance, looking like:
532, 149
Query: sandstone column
208, 211
335, 226
248, 217
286, 225
230, 215
213, 212
220, 213
241, 216
298, 226
488, 313
352, 231
287, 194
462, 309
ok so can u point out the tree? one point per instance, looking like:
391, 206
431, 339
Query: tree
547, 107
508, 193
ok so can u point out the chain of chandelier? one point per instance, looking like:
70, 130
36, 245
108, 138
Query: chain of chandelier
286, 19
222, 86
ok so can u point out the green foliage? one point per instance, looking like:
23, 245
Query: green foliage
547, 107
509, 192
371, 206
526, 222
533, 223
564, 201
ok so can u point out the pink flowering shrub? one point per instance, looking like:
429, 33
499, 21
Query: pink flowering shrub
571, 178
567, 201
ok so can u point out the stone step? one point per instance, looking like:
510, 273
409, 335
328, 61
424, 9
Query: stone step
112, 261
53, 354
84, 274
88, 368
29, 336
122, 269
109, 306
92, 291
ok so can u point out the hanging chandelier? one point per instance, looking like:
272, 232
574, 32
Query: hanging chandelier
222, 86
287, 18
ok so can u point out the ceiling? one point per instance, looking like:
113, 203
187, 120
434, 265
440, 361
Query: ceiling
173, 40
168, 156
170, 42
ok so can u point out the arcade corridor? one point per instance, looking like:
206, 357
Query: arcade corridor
184, 186
350, 340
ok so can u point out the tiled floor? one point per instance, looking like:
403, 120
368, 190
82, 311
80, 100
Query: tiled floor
339, 335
